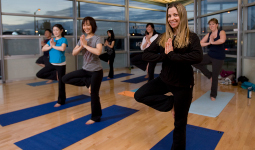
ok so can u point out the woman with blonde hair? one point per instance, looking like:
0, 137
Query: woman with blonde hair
215, 41
178, 48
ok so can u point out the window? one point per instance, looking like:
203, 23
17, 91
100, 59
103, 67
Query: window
147, 5
142, 15
119, 28
138, 29
18, 25
227, 21
251, 18
47, 7
98, 11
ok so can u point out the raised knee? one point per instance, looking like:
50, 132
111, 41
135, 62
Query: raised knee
137, 97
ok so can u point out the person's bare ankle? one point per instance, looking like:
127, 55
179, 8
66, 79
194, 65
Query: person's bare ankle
89, 89
173, 112
49, 81
213, 99
57, 105
89, 122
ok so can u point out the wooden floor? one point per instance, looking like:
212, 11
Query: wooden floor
140, 131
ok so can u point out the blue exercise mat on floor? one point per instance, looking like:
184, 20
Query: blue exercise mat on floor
134, 90
36, 111
204, 106
197, 138
41, 83
139, 79
117, 76
67, 134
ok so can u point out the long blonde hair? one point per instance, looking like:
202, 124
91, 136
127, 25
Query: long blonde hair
182, 36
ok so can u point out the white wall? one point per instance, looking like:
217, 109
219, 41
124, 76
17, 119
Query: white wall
248, 69
26, 68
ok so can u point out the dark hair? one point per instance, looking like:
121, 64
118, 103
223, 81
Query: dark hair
48, 30
213, 20
60, 28
92, 22
112, 38
152, 25
146, 32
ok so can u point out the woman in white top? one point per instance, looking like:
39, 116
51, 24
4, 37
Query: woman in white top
150, 36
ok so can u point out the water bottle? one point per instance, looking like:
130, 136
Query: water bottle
249, 92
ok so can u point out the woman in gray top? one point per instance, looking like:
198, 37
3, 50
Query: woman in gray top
91, 73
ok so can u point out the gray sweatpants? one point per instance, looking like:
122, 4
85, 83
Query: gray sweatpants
216, 68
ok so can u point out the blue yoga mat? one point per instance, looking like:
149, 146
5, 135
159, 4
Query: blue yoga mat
138, 79
197, 138
134, 90
117, 76
41, 83
36, 111
204, 106
67, 134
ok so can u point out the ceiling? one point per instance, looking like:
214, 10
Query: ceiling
164, 2
169, 1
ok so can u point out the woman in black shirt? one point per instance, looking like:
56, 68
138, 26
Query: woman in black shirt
110, 52
178, 49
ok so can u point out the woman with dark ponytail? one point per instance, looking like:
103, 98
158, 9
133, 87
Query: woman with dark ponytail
57, 67
110, 55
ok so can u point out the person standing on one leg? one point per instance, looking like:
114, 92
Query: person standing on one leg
57, 66
110, 55
150, 36
215, 41
44, 60
91, 74
178, 48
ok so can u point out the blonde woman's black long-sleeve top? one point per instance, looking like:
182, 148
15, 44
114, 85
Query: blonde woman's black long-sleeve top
176, 65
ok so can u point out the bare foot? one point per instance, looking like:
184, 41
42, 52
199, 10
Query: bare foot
108, 78
147, 76
57, 105
172, 111
89, 89
213, 99
169, 94
89, 122
49, 81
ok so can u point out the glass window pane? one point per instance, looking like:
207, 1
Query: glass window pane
121, 2
190, 10
119, 44
191, 25
135, 44
146, 5
251, 44
47, 7
229, 64
251, 18
250, 1
21, 47
227, 21
209, 6
119, 28
142, 15
18, 25
106, 11
138, 29
70, 47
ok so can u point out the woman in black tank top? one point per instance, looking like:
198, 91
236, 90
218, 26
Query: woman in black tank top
215, 41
